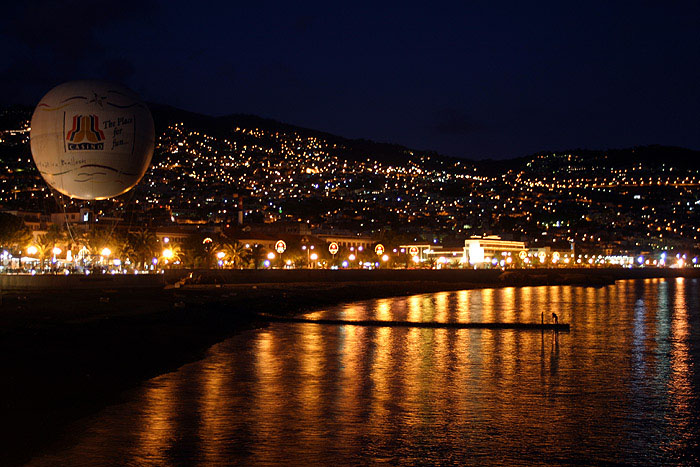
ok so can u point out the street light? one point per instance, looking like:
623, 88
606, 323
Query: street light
105, 254
32, 250
308, 254
220, 256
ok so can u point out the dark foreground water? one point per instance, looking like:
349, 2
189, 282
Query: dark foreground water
621, 388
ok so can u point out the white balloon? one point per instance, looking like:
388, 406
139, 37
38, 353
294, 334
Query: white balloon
92, 139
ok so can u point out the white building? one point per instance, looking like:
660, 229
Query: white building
478, 250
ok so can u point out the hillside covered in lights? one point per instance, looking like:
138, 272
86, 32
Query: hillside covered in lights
616, 200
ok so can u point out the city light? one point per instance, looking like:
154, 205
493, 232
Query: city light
527, 202
105, 252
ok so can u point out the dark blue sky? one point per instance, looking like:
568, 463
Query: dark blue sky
475, 80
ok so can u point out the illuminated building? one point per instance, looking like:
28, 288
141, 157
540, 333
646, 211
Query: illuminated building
478, 250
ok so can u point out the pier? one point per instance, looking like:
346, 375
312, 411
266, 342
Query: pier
418, 324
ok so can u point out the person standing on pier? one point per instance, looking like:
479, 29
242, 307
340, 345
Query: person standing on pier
555, 318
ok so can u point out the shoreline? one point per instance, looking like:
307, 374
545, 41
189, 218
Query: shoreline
70, 353
176, 277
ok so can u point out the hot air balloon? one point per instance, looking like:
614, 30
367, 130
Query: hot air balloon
92, 140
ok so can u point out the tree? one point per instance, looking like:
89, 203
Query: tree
95, 240
14, 235
235, 252
172, 254
124, 248
57, 235
256, 255
44, 249
198, 251
144, 243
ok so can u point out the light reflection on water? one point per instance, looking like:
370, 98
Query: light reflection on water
622, 387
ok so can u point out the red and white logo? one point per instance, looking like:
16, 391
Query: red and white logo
85, 133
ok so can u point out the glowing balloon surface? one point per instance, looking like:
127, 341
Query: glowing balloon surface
92, 139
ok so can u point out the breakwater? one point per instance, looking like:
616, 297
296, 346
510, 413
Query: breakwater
417, 324
45, 282
466, 277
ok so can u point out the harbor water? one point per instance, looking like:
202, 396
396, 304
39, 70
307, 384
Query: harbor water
620, 388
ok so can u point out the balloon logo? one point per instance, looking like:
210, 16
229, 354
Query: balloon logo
91, 139
85, 127
333, 248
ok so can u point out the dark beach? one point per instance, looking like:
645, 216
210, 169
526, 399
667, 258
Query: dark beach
69, 352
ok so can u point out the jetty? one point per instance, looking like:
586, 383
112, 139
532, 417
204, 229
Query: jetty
417, 324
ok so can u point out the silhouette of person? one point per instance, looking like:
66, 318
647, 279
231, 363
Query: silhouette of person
555, 318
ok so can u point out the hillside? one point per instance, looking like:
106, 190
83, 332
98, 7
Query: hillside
652, 156
635, 199
349, 149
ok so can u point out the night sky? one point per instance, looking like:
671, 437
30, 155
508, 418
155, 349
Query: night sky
491, 79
